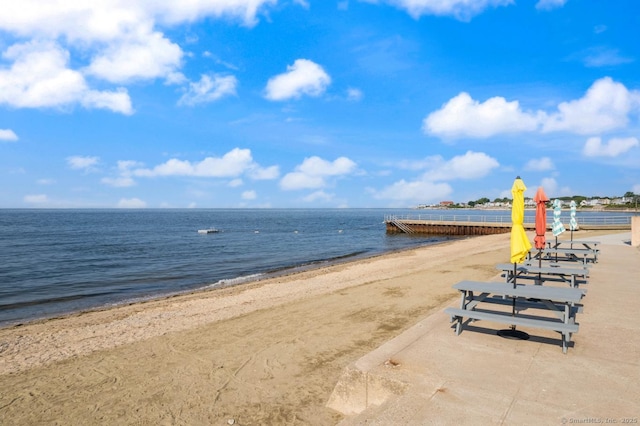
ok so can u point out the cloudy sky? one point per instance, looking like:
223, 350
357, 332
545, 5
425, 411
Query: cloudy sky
315, 103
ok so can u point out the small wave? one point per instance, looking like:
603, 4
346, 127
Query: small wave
234, 281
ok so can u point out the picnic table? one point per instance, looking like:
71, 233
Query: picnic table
589, 245
566, 254
562, 302
551, 272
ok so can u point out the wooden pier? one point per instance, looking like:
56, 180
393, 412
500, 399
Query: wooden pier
477, 225
408, 226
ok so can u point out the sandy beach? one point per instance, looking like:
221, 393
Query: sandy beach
268, 352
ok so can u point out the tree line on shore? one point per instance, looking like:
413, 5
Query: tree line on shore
629, 198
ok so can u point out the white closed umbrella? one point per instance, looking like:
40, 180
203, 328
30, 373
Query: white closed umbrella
557, 227
573, 223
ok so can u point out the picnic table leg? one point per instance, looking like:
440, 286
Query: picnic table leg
459, 319
566, 336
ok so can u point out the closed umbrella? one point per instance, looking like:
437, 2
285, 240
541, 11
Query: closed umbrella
520, 246
573, 223
541, 200
557, 228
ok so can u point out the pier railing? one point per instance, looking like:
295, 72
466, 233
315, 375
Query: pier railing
595, 220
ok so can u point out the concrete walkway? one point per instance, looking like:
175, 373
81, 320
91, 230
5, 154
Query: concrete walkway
428, 375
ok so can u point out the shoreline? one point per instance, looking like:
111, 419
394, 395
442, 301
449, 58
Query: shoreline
225, 283
268, 352
243, 298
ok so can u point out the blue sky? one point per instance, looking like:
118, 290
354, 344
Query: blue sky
302, 103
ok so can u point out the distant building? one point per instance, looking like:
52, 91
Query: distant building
446, 203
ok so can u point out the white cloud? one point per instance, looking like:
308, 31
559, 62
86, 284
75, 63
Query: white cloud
304, 77
318, 196
314, 171
462, 116
354, 94
40, 77
8, 135
299, 180
249, 195
210, 88
615, 147
175, 78
463, 10
119, 182
471, 165
319, 167
125, 170
173, 12
131, 203
45, 181
605, 106
432, 185
419, 191
549, 4
264, 173
79, 162
233, 164
113, 40
551, 188
599, 29
36, 199
234, 183
147, 56
601, 56
302, 3
636, 189
106, 20
539, 164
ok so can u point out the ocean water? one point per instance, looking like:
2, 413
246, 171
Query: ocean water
54, 262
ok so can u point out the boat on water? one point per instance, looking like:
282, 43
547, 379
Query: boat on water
208, 231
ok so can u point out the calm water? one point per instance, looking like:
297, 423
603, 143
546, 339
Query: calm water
59, 261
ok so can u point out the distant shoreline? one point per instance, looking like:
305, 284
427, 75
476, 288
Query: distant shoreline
579, 209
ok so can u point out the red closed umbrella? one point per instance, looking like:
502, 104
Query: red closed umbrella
541, 200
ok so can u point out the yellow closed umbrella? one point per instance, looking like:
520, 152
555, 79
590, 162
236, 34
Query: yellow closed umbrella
520, 244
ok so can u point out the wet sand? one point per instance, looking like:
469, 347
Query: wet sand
268, 352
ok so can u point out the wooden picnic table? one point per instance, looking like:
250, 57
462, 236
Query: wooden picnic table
562, 302
551, 272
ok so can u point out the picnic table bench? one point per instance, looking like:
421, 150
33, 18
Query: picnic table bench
551, 273
561, 301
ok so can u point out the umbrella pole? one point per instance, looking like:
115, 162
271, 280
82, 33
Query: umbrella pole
512, 333
572, 237
513, 299
540, 265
